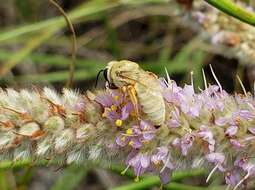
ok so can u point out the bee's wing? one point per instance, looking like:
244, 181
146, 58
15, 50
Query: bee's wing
147, 79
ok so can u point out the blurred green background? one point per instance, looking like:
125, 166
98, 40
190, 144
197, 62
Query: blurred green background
35, 49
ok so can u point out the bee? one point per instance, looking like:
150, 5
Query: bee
143, 88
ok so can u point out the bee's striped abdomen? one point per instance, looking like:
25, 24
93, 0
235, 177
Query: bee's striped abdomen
152, 104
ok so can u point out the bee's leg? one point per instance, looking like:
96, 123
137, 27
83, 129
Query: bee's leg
132, 93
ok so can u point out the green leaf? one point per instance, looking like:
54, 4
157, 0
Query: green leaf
230, 8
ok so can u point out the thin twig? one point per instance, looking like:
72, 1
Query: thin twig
74, 43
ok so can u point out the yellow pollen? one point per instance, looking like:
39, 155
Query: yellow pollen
113, 108
118, 122
129, 131
116, 98
123, 138
131, 143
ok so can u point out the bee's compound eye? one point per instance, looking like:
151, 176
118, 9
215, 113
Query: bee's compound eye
105, 74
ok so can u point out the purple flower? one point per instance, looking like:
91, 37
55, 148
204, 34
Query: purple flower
165, 176
231, 131
232, 177
252, 130
241, 162
217, 159
240, 115
207, 136
190, 104
148, 130
234, 120
106, 100
174, 121
136, 135
140, 163
116, 108
162, 157
246, 115
172, 92
212, 98
185, 143
221, 121
184, 98
236, 144
245, 100
128, 139
245, 165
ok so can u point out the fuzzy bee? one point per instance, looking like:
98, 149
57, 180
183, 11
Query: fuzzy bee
142, 86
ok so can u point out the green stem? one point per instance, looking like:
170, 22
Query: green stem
150, 181
230, 8
153, 181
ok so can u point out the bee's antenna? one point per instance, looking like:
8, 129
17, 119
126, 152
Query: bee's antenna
98, 74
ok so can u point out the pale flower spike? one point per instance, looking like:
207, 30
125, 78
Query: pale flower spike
242, 180
211, 173
242, 85
204, 77
215, 78
167, 76
192, 78
207, 129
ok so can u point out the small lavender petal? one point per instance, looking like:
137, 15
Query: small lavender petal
216, 158
145, 161
232, 178
148, 135
165, 176
236, 144
104, 100
221, 121
231, 131
186, 143
122, 140
252, 130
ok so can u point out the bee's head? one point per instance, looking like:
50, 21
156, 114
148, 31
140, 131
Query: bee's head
106, 77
